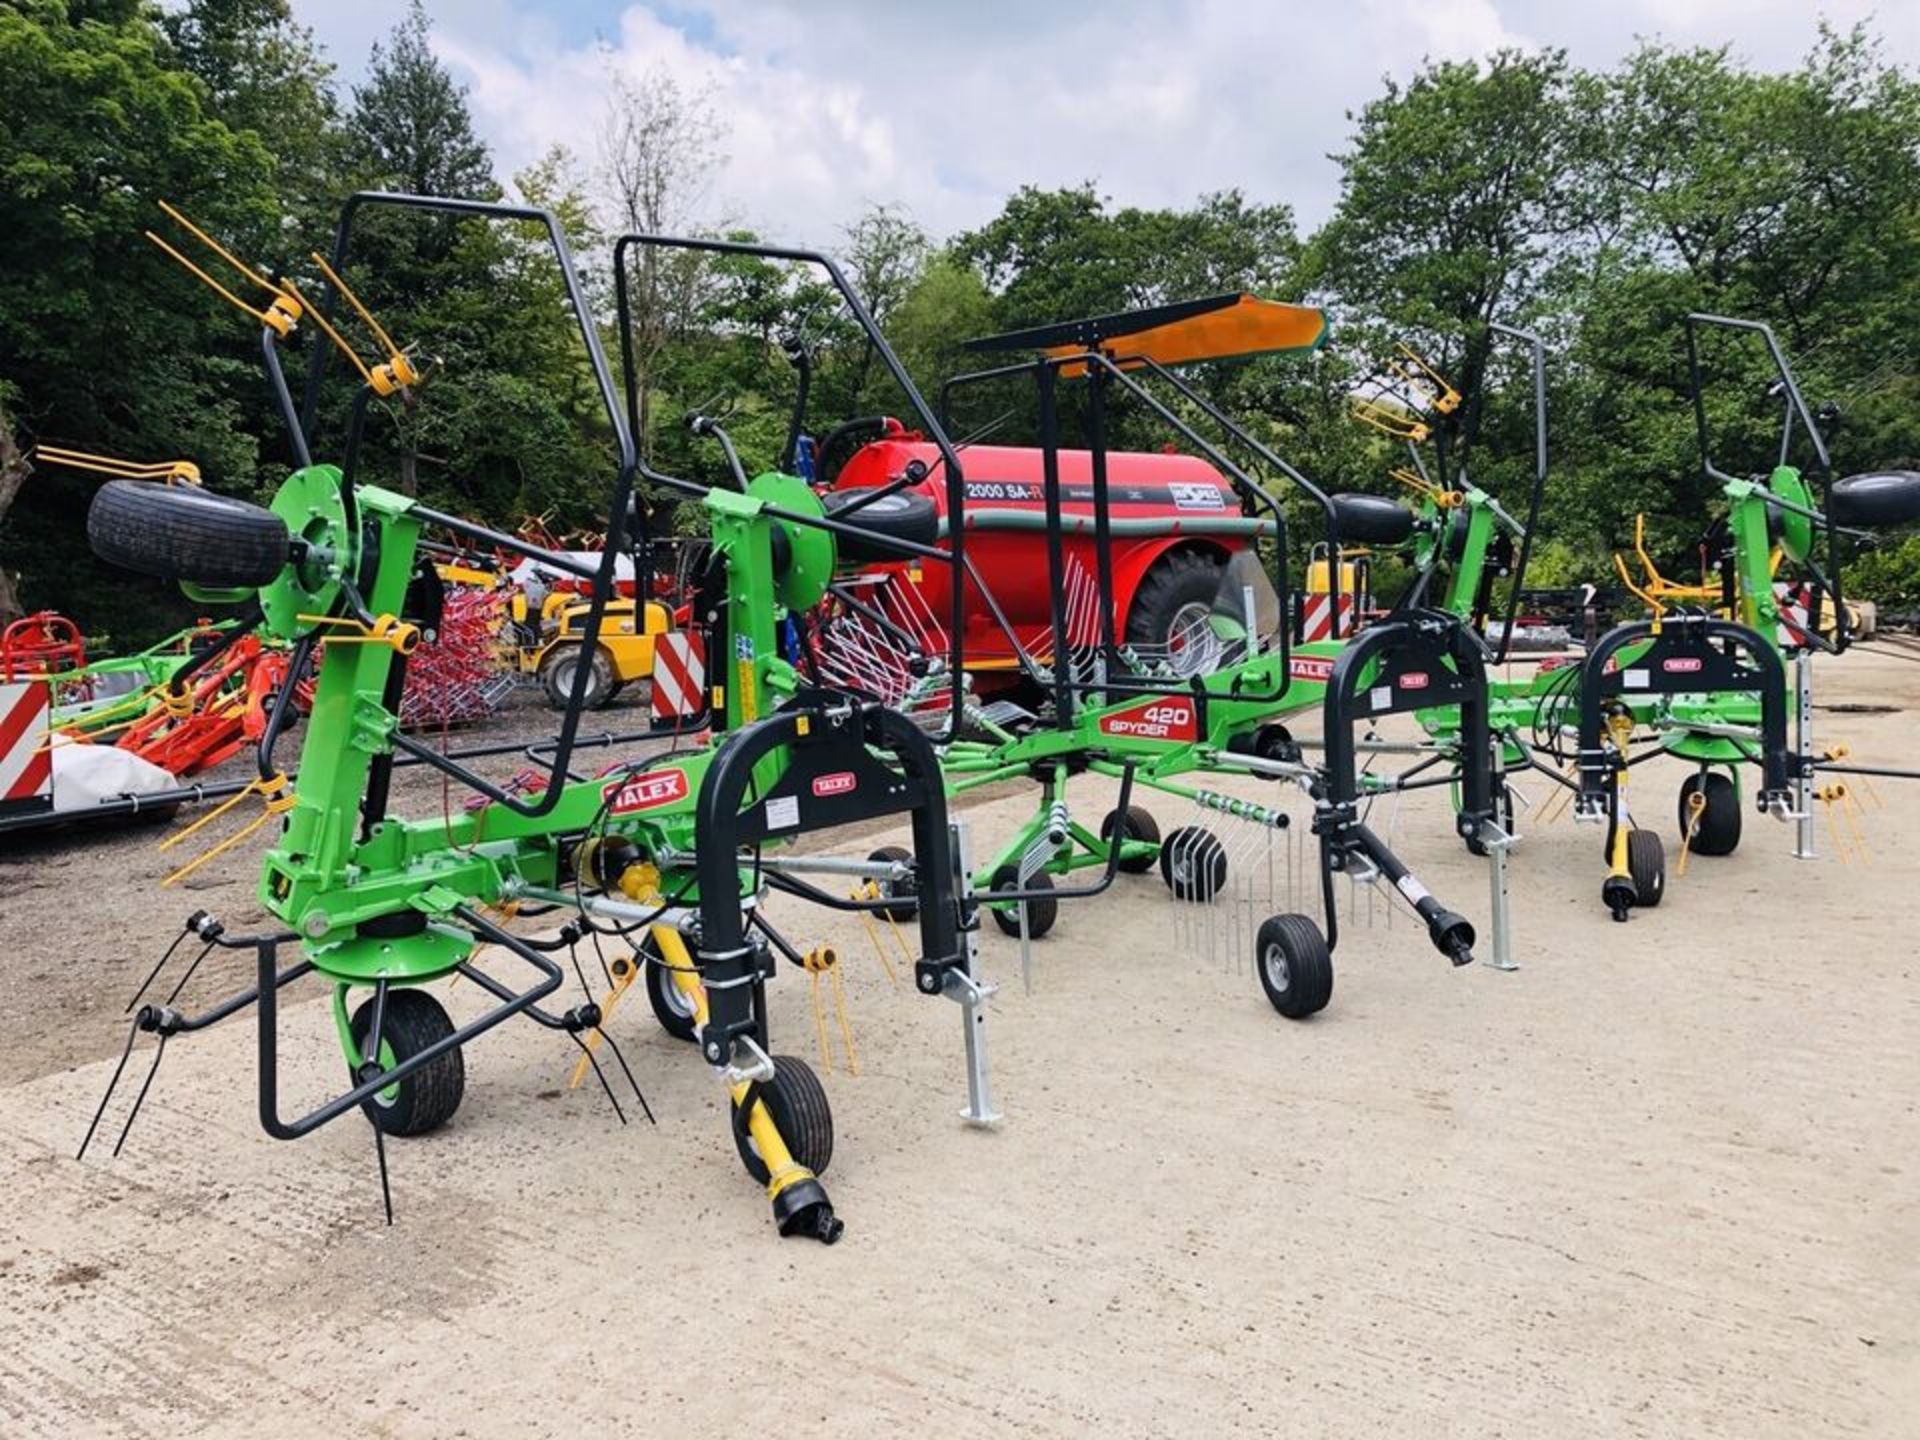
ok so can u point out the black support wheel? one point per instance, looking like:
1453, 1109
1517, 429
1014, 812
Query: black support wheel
1295, 965
1193, 862
181, 532
1647, 864
671, 1006
797, 1103
1718, 831
1136, 824
425, 1099
906, 891
1042, 911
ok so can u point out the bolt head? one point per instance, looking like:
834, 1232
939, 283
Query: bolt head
315, 925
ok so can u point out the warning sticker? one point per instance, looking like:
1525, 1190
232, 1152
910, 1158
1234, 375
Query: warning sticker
783, 812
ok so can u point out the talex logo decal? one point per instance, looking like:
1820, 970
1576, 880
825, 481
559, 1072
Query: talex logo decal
1682, 664
1414, 680
838, 783
646, 792
1310, 667
1171, 718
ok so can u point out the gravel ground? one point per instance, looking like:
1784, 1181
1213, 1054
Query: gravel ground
1661, 1181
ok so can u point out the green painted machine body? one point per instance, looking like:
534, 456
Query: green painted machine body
336, 874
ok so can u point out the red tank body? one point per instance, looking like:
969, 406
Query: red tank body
1183, 502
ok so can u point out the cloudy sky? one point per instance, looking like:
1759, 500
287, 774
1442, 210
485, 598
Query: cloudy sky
944, 108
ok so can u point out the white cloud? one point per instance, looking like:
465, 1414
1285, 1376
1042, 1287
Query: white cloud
834, 104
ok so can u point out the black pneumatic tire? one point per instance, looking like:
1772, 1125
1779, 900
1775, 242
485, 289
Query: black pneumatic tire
1647, 864
1193, 863
906, 890
1294, 965
1137, 825
797, 1102
181, 532
1177, 580
900, 516
663, 995
1041, 913
1719, 832
426, 1099
556, 677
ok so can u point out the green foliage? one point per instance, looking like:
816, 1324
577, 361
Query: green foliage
1598, 207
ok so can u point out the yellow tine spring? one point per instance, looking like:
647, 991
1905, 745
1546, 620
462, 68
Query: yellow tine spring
1696, 807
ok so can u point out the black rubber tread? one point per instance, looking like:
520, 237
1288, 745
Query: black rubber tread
1176, 580
797, 1101
659, 980
1647, 864
1878, 499
1041, 913
556, 677
1309, 964
908, 890
899, 516
1203, 860
428, 1097
182, 532
1719, 832
1140, 825
1371, 519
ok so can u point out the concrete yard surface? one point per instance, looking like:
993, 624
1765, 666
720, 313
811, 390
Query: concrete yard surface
1663, 1180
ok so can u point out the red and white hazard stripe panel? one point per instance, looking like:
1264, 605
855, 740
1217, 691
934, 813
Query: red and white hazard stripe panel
1316, 617
679, 676
26, 764
1796, 614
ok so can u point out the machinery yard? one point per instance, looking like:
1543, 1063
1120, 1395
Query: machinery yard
1653, 1183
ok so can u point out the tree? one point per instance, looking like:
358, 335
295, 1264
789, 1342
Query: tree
14, 470
410, 120
104, 343
659, 148
1453, 205
264, 74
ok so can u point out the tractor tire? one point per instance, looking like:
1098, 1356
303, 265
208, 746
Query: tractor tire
556, 677
1719, 832
905, 890
426, 1099
1294, 964
1647, 864
1175, 595
181, 532
673, 1010
1193, 862
1137, 824
797, 1102
1041, 913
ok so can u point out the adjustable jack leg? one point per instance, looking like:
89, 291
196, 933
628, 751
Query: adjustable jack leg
966, 987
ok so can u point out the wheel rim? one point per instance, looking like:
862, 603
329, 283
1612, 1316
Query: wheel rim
1279, 971
1192, 647
677, 1000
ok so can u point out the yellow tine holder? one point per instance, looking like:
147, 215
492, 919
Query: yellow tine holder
398, 371
1696, 807
184, 471
624, 973
277, 798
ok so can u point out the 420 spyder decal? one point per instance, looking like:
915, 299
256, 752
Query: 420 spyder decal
1162, 718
